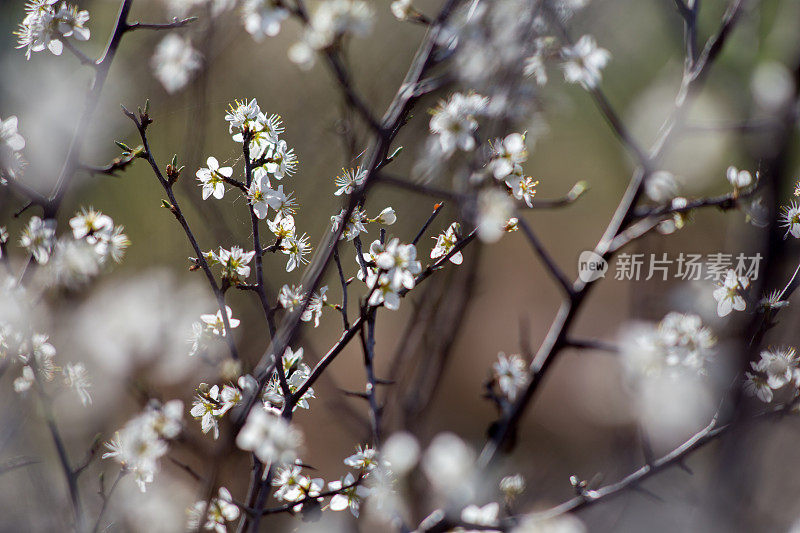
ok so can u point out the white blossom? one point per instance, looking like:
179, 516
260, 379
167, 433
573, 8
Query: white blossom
790, 219
364, 460
45, 25
661, 186
402, 9
454, 122
495, 208
11, 142
216, 323
262, 18
739, 178
296, 248
523, 188
583, 62
76, 377
38, 238
445, 243
175, 62
270, 437
729, 294
399, 263
349, 494
235, 263
779, 365
212, 179
219, 511
508, 154
511, 374
349, 180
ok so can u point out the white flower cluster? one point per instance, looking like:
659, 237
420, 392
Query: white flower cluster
505, 163
777, 368
355, 224
679, 342
175, 62
144, 440
296, 373
270, 437
211, 404
46, 24
294, 296
511, 375
95, 240
270, 157
11, 143
218, 512
446, 241
328, 24
454, 121
393, 270
234, 263
36, 357
293, 486
730, 295
583, 62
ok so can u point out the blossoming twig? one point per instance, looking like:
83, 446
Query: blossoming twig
141, 126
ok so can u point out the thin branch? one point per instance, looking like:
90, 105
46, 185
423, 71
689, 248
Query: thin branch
436, 210
554, 270
167, 26
343, 307
674, 458
106, 497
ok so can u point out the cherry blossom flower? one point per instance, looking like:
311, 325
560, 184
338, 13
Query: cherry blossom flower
399, 263
510, 374
282, 226
216, 324
779, 365
349, 180
89, 224
583, 62
175, 62
483, 516
507, 156
402, 9
219, 511
756, 385
364, 460
454, 122
729, 294
349, 494
207, 407
11, 142
661, 186
242, 116
495, 208
524, 189
76, 377
387, 217
44, 26
296, 248
270, 437
261, 197
790, 219
739, 178
212, 178
262, 18
38, 238
234, 263
445, 243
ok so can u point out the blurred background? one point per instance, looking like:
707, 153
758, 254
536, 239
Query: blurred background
499, 300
